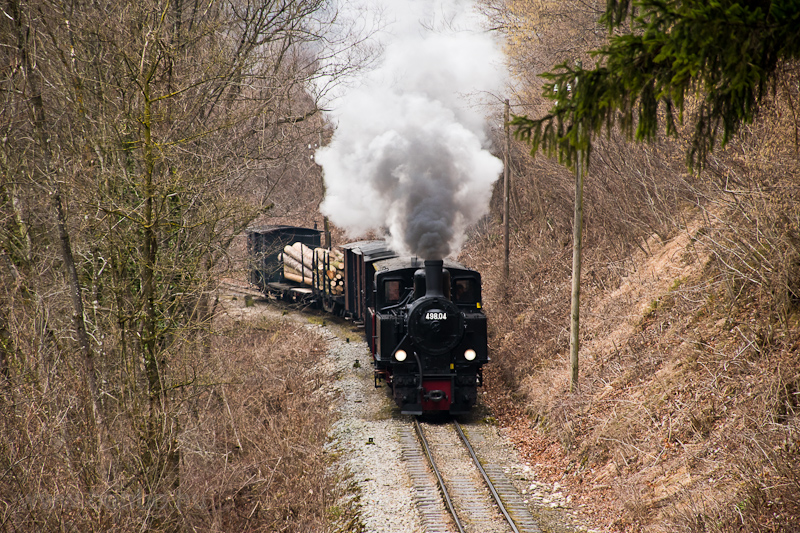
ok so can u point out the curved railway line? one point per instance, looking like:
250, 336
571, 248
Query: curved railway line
466, 496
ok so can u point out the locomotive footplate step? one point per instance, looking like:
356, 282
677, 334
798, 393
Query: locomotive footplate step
412, 409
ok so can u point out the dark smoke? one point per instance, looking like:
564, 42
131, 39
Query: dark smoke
430, 213
408, 153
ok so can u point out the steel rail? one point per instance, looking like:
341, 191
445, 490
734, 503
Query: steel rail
446, 495
489, 483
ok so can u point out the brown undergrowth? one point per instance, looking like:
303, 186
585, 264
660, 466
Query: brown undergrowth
687, 413
253, 407
686, 418
254, 435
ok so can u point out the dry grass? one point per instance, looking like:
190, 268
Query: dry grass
252, 410
253, 439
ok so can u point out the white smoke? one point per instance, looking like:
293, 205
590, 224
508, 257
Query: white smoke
409, 155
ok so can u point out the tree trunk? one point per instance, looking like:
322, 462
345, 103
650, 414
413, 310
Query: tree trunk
162, 458
577, 242
32, 77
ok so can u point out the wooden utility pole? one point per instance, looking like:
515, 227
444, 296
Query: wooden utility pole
325, 223
506, 188
577, 239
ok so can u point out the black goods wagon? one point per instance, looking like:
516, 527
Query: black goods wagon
266, 243
359, 276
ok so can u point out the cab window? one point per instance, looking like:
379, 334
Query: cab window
464, 291
391, 291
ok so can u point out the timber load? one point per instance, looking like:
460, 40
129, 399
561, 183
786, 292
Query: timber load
320, 268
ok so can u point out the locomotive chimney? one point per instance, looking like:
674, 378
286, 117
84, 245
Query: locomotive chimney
433, 277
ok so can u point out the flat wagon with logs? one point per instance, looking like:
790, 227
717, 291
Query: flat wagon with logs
289, 263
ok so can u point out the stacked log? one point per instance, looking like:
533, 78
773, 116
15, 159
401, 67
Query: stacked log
296, 275
321, 268
297, 265
330, 268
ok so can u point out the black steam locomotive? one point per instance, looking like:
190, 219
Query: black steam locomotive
423, 320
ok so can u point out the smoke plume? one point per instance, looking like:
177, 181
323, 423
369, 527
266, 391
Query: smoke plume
409, 155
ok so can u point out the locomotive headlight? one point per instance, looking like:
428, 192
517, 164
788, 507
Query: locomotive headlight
400, 355
470, 355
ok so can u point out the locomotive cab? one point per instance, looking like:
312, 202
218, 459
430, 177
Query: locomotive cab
430, 334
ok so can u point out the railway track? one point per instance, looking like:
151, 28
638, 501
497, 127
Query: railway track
466, 495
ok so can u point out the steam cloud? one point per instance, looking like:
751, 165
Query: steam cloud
409, 155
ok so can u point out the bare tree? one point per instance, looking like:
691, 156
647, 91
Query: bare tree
138, 139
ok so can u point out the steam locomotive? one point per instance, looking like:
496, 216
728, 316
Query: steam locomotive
423, 320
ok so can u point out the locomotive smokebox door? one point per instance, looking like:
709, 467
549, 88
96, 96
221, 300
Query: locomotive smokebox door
434, 322
435, 325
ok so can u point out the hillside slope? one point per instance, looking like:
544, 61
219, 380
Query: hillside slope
686, 418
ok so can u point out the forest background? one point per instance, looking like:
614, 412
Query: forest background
140, 140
